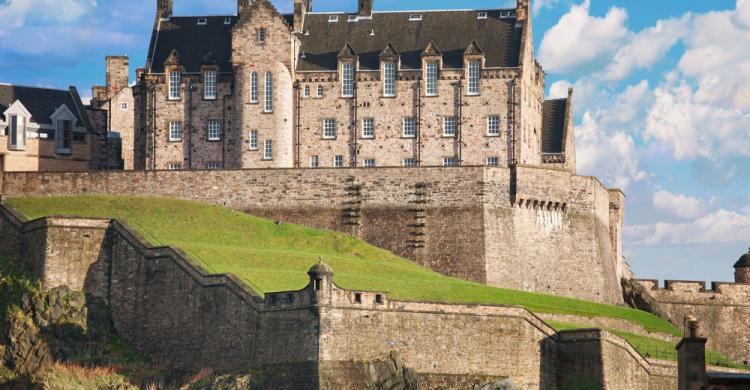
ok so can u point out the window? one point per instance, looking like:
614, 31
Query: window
449, 126
368, 128
389, 79
482, 15
333, 18
254, 140
474, 74
174, 85
268, 150
410, 162
227, 20
307, 91
338, 161
347, 79
358, 297
202, 21
124, 106
64, 136
368, 163
378, 299
254, 88
493, 125
352, 18
214, 130
17, 132
262, 36
449, 162
175, 131
493, 161
174, 166
415, 17
410, 127
329, 128
268, 107
209, 85
320, 91
432, 77
314, 161
212, 166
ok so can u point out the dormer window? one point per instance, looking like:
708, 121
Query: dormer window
16, 132
431, 77
475, 69
347, 79
389, 79
482, 15
352, 18
333, 18
262, 36
202, 21
227, 20
209, 85
415, 17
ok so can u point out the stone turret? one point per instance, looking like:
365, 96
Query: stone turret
321, 281
742, 269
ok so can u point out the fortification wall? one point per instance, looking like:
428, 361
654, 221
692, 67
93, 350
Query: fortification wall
723, 311
461, 222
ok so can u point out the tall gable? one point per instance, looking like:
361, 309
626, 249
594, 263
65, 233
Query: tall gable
451, 31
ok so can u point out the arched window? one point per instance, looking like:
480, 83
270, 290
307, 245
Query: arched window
254, 88
320, 91
307, 91
268, 107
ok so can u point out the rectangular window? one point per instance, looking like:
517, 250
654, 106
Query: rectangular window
389, 79
268, 150
410, 127
209, 85
474, 75
368, 163
329, 128
493, 161
333, 18
202, 21
368, 128
64, 137
269, 93
432, 78
174, 166
338, 161
254, 139
175, 131
174, 85
482, 15
314, 161
493, 125
449, 162
449, 126
17, 130
410, 162
347, 79
124, 106
212, 166
214, 130
415, 17
262, 36
254, 88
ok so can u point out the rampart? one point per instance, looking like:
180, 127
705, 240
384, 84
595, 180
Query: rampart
723, 310
524, 228
320, 337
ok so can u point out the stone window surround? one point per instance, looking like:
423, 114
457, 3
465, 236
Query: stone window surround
174, 74
253, 140
328, 125
412, 127
218, 129
174, 129
371, 127
488, 133
205, 95
338, 161
469, 61
446, 132
262, 34
254, 87
426, 62
384, 73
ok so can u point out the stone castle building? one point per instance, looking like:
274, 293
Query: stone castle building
262, 89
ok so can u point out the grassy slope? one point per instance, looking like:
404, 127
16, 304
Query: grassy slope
270, 257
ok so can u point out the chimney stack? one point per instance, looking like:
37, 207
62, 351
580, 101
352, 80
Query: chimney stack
163, 9
523, 10
117, 74
301, 8
365, 8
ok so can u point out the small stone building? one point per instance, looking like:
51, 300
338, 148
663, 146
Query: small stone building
43, 129
262, 89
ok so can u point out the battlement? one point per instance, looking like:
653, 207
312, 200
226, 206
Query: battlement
695, 287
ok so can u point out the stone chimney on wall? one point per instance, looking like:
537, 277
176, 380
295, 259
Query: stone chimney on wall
523, 10
301, 8
118, 76
163, 9
742, 269
365, 8
691, 358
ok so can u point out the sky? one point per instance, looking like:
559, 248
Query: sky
662, 100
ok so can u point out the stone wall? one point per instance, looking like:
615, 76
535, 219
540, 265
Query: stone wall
723, 311
462, 222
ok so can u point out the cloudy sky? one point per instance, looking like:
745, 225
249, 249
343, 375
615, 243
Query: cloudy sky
662, 100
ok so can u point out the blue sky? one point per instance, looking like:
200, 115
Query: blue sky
662, 100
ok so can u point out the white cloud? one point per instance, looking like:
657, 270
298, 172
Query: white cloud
538, 5
18, 12
722, 226
581, 39
678, 205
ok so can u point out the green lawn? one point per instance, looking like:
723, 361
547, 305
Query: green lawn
272, 257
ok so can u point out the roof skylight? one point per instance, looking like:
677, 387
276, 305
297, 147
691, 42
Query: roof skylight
333, 18
415, 17
202, 21
482, 15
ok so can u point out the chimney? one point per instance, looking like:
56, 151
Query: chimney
117, 74
691, 358
301, 8
365, 8
523, 10
163, 9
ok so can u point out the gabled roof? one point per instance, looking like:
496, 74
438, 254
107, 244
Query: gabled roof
41, 102
192, 42
451, 31
347, 52
473, 49
173, 59
431, 50
389, 52
209, 59
553, 125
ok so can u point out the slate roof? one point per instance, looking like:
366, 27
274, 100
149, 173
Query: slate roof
42, 102
451, 31
553, 125
193, 42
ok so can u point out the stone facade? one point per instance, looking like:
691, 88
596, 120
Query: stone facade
500, 226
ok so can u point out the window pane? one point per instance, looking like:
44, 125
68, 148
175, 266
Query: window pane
474, 74
254, 139
269, 92
329, 128
347, 79
432, 76
268, 150
175, 131
214, 130
338, 161
368, 127
389, 79
174, 85
410, 126
13, 130
493, 125
449, 126
254, 88
209, 87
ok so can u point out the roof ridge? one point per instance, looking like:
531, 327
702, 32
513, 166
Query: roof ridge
33, 87
413, 11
